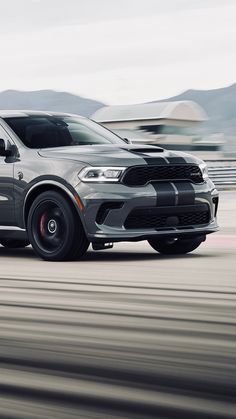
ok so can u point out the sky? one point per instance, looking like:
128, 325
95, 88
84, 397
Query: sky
117, 51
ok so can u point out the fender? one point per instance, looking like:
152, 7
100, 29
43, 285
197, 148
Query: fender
72, 194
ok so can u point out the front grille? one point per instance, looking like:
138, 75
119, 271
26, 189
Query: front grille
141, 175
168, 217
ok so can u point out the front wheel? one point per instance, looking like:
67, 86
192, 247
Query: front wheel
175, 246
54, 228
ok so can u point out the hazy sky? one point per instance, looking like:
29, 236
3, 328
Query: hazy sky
117, 51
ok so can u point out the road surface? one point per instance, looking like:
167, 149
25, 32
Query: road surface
125, 333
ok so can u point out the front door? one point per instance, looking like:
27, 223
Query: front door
7, 213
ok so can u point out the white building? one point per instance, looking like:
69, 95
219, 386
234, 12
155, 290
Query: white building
169, 124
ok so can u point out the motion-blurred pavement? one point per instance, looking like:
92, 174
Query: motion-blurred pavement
125, 333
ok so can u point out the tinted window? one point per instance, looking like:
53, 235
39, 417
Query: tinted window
54, 131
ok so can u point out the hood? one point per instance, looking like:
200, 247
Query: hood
117, 155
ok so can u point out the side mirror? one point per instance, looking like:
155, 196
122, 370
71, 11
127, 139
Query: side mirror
4, 151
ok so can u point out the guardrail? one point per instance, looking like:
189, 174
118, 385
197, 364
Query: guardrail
222, 172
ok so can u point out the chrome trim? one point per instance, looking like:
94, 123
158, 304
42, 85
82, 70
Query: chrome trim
12, 228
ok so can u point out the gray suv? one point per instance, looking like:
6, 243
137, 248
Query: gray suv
66, 182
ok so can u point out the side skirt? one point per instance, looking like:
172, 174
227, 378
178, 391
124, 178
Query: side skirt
12, 232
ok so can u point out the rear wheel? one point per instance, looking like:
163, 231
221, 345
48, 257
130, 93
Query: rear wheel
14, 244
54, 229
175, 246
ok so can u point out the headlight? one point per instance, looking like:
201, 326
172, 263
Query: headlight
204, 170
101, 174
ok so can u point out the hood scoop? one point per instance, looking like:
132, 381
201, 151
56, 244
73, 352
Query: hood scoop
146, 150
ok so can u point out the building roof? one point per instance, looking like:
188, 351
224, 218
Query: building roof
179, 110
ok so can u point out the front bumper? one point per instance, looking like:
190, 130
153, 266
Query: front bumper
109, 226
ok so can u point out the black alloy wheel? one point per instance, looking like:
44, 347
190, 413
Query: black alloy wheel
55, 229
176, 246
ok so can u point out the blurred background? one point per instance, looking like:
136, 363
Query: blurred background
125, 333
80, 57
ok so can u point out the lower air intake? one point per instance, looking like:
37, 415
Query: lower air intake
153, 217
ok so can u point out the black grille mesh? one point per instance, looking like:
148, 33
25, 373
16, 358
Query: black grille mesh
140, 175
151, 218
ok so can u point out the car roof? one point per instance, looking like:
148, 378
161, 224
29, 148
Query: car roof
24, 113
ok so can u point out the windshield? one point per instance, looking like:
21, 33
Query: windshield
58, 131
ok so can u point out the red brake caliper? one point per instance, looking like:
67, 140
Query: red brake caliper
42, 225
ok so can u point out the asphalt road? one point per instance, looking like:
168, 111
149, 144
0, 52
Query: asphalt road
125, 333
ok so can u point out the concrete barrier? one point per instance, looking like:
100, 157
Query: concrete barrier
222, 172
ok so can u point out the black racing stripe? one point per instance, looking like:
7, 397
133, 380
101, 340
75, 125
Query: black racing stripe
186, 193
157, 161
165, 194
176, 160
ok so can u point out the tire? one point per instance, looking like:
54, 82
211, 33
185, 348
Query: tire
55, 229
176, 246
14, 244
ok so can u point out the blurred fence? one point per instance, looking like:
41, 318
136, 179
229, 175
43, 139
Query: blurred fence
222, 172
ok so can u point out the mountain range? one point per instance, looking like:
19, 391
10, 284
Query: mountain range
48, 100
219, 104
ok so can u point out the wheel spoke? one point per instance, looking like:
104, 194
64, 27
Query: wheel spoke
50, 226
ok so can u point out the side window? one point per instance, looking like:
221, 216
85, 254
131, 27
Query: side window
3, 134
